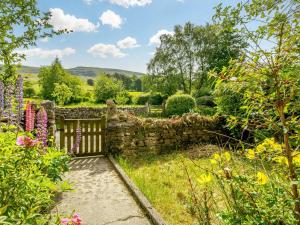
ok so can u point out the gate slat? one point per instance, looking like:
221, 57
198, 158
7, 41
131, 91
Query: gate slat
86, 137
68, 134
98, 150
92, 133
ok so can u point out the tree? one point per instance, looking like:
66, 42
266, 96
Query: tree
191, 52
268, 75
35, 24
107, 87
90, 82
62, 94
55, 74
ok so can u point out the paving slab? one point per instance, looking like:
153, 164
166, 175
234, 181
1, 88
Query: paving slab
99, 196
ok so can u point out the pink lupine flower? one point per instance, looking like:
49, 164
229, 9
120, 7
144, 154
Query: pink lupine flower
75, 220
25, 141
30, 117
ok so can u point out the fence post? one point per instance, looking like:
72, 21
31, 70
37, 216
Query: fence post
62, 133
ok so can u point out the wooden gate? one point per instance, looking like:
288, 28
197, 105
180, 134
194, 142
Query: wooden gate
92, 136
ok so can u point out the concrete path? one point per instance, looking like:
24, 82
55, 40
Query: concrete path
99, 197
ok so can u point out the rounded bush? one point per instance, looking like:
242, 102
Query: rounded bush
141, 99
179, 104
206, 101
156, 99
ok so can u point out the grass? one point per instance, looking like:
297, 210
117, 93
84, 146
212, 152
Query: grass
163, 180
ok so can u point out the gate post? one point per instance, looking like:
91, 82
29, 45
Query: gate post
103, 132
62, 133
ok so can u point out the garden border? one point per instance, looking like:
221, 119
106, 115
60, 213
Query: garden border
150, 211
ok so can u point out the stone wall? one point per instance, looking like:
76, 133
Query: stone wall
128, 134
93, 112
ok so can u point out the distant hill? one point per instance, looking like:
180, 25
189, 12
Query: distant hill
81, 71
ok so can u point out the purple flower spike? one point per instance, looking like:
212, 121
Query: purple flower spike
78, 138
19, 97
8, 102
42, 121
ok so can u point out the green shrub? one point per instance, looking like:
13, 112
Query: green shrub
28, 180
29, 92
205, 110
123, 98
206, 101
107, 88
179, 104
141, 99
156, 99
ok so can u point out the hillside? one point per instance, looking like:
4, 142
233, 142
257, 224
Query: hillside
82, 71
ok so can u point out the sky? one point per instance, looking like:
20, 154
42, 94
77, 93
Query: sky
120, 34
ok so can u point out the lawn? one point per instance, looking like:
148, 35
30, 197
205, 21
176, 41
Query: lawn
163, 179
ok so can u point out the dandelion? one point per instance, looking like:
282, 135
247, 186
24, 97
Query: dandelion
42, 131
250, 154
262, 179
19, 97
281, 160
213, 162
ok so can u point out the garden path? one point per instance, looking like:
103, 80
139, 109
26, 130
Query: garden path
99, 196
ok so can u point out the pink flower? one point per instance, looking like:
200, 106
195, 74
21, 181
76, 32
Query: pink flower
65, 221
25, 141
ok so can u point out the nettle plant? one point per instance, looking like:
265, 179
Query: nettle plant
267, 78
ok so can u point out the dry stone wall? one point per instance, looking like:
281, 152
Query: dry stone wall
128, 134
93, 112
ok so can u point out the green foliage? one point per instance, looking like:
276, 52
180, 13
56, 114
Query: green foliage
90, 82
156, 98
166, 85
206, 101
29, 92
205, 110
28, 180
35, 24
62, 94
179, 104
55, 74
141, 99
107, 87
123, 98
264, 85
184, 59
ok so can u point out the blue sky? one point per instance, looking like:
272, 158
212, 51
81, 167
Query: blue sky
114, 33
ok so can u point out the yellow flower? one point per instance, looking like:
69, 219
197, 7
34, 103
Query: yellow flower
227, 156
217, 157
213, 162
250, 154
260, 148
262, 178
281, 160
205, 179
296, 158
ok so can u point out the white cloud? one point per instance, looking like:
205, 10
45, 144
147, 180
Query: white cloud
155, 39
88, 2
59, 20
105, 50
44, 53
46, 39
129, 3
128, 42
111, 18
